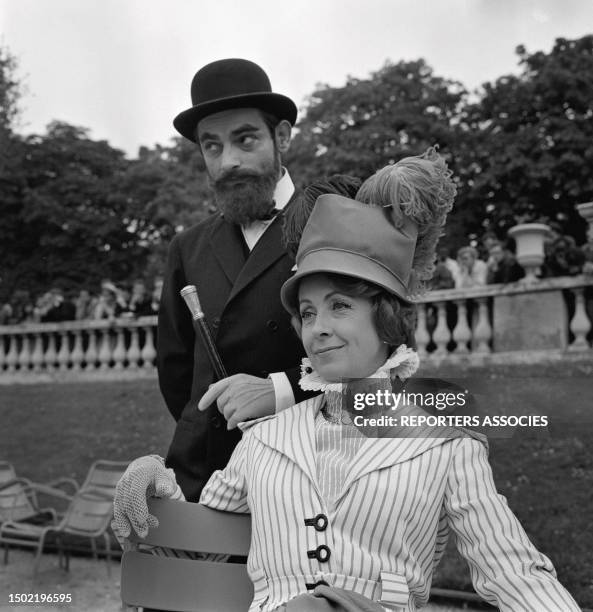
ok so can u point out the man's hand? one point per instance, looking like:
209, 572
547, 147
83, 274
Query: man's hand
240, 398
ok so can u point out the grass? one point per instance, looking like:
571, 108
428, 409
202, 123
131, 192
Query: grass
53, 430
48, 431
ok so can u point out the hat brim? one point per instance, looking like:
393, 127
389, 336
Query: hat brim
333, 261
278, 105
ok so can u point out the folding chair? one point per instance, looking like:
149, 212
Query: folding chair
88, 515
103, 475
18, 497
182, 584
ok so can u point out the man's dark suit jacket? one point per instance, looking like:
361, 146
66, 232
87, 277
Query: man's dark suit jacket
241, 300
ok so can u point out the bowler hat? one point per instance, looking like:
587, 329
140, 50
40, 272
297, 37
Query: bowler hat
347, 237
231, 83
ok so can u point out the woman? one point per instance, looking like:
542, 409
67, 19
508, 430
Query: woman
330, 503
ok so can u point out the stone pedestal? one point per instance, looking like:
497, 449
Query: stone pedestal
530, 321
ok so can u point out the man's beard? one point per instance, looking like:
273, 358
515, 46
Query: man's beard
244, 196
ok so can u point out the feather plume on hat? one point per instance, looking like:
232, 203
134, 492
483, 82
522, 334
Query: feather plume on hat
418, 188
298, 213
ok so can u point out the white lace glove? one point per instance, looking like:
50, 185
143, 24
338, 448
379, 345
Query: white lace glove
145, 477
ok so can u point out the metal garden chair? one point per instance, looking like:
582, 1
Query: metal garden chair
185, 584
88, 514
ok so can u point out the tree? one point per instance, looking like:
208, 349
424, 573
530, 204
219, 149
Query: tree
66, 224
532, 157
10, 92
399, 110
11, 156
165, 190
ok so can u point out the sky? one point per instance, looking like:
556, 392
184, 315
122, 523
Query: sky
122, 68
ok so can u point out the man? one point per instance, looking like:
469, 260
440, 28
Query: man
472, 271
502, 266
236, 260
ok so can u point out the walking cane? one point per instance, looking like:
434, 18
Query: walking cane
190, 296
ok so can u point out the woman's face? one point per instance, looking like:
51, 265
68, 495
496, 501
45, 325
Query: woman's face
338, 332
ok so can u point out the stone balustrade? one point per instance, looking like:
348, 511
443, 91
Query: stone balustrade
490, 323
78, 350
507, 322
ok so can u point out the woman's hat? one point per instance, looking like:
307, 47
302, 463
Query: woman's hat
227, 84
343, 236
387, 236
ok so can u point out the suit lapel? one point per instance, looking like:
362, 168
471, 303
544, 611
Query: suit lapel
379, 453
226, 245
292, 433
266, 252
399, 444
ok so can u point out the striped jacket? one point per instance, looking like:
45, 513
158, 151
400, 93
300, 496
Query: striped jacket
386, 531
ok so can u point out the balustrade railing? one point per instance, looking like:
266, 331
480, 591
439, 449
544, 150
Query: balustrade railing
451, 323
463, 322
78, 347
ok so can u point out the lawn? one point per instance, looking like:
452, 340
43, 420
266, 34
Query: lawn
59, 430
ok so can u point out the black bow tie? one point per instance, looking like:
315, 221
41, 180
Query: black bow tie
269, 215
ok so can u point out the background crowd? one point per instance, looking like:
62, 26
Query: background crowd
137, 299
493, 261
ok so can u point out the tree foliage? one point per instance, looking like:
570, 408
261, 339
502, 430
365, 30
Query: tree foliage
75, 210
10, 92
532, 147
399, 110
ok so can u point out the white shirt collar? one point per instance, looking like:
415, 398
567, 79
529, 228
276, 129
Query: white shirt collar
403, 363
284, 190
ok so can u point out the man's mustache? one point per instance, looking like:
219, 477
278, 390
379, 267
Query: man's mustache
235, 176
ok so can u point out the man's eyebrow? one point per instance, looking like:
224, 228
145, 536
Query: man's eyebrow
246, 127
208, 136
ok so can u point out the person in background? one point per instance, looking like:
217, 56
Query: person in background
140, 303
472, 271
111, 302
502, 266
85, 305
58, 308
587, 270
443, 275
489, 238
5, 313
563, 259
23, 308
587, 250
444, 255
155, 296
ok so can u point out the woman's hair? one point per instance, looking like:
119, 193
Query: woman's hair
468, 249
298, 213
394, 320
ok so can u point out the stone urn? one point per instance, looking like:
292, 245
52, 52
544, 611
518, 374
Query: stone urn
529, 239
586, 211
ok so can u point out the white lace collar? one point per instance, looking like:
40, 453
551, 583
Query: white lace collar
402, 363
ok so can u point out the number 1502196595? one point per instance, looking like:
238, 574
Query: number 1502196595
39, 598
